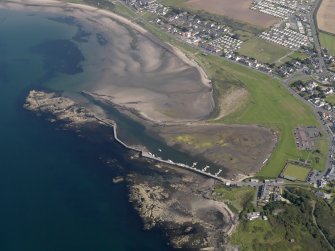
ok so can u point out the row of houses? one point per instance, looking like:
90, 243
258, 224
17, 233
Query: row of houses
273, 9
293, 4
207, 34
286, 37
226, 44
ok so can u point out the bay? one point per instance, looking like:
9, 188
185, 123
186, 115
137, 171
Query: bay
55, 193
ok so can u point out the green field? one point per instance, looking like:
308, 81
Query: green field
331, 99
327, 41
293, 55
262, 50
270, 105
298, 55
236, 198
295, 171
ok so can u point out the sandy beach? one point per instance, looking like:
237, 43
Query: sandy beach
137, 71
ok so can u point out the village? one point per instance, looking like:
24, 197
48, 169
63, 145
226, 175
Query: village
293, 31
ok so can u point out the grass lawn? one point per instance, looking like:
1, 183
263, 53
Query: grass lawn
252, 233
323, 146
175, 3
262, 50
298, 55
235, 198
331, 99
298, 172
327, 41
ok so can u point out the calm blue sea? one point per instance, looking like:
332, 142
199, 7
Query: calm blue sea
55, 194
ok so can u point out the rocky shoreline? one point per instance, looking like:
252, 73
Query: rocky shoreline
61, 108
167, 197
181, 203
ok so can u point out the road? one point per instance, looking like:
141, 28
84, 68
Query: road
320, 230
312, 21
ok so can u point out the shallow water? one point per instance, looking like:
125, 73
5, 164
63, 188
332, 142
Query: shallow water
55, 194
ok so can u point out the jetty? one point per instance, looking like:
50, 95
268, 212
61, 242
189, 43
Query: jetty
148, 155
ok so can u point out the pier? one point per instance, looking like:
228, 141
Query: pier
147, 155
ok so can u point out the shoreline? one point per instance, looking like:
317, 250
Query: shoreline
143, 111
158, 203
43, 5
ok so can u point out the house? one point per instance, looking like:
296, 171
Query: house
323, 195
322, 183
253, 215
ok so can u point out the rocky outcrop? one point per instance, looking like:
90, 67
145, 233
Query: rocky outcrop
178, 202
152, 206
61, 108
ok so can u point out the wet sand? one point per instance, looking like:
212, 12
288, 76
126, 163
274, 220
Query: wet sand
135, 71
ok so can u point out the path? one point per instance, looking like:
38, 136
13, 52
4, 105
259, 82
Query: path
316, 224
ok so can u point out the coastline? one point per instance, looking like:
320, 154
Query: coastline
52, 5
200, 221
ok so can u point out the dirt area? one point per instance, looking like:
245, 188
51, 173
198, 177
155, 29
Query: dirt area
232, 101
237, 9
240, 149
326, 16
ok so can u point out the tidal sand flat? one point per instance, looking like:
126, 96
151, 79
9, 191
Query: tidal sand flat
136, 72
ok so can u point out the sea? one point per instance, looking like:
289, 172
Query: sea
55, 192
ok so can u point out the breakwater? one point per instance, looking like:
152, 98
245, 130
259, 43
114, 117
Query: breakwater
148, 155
